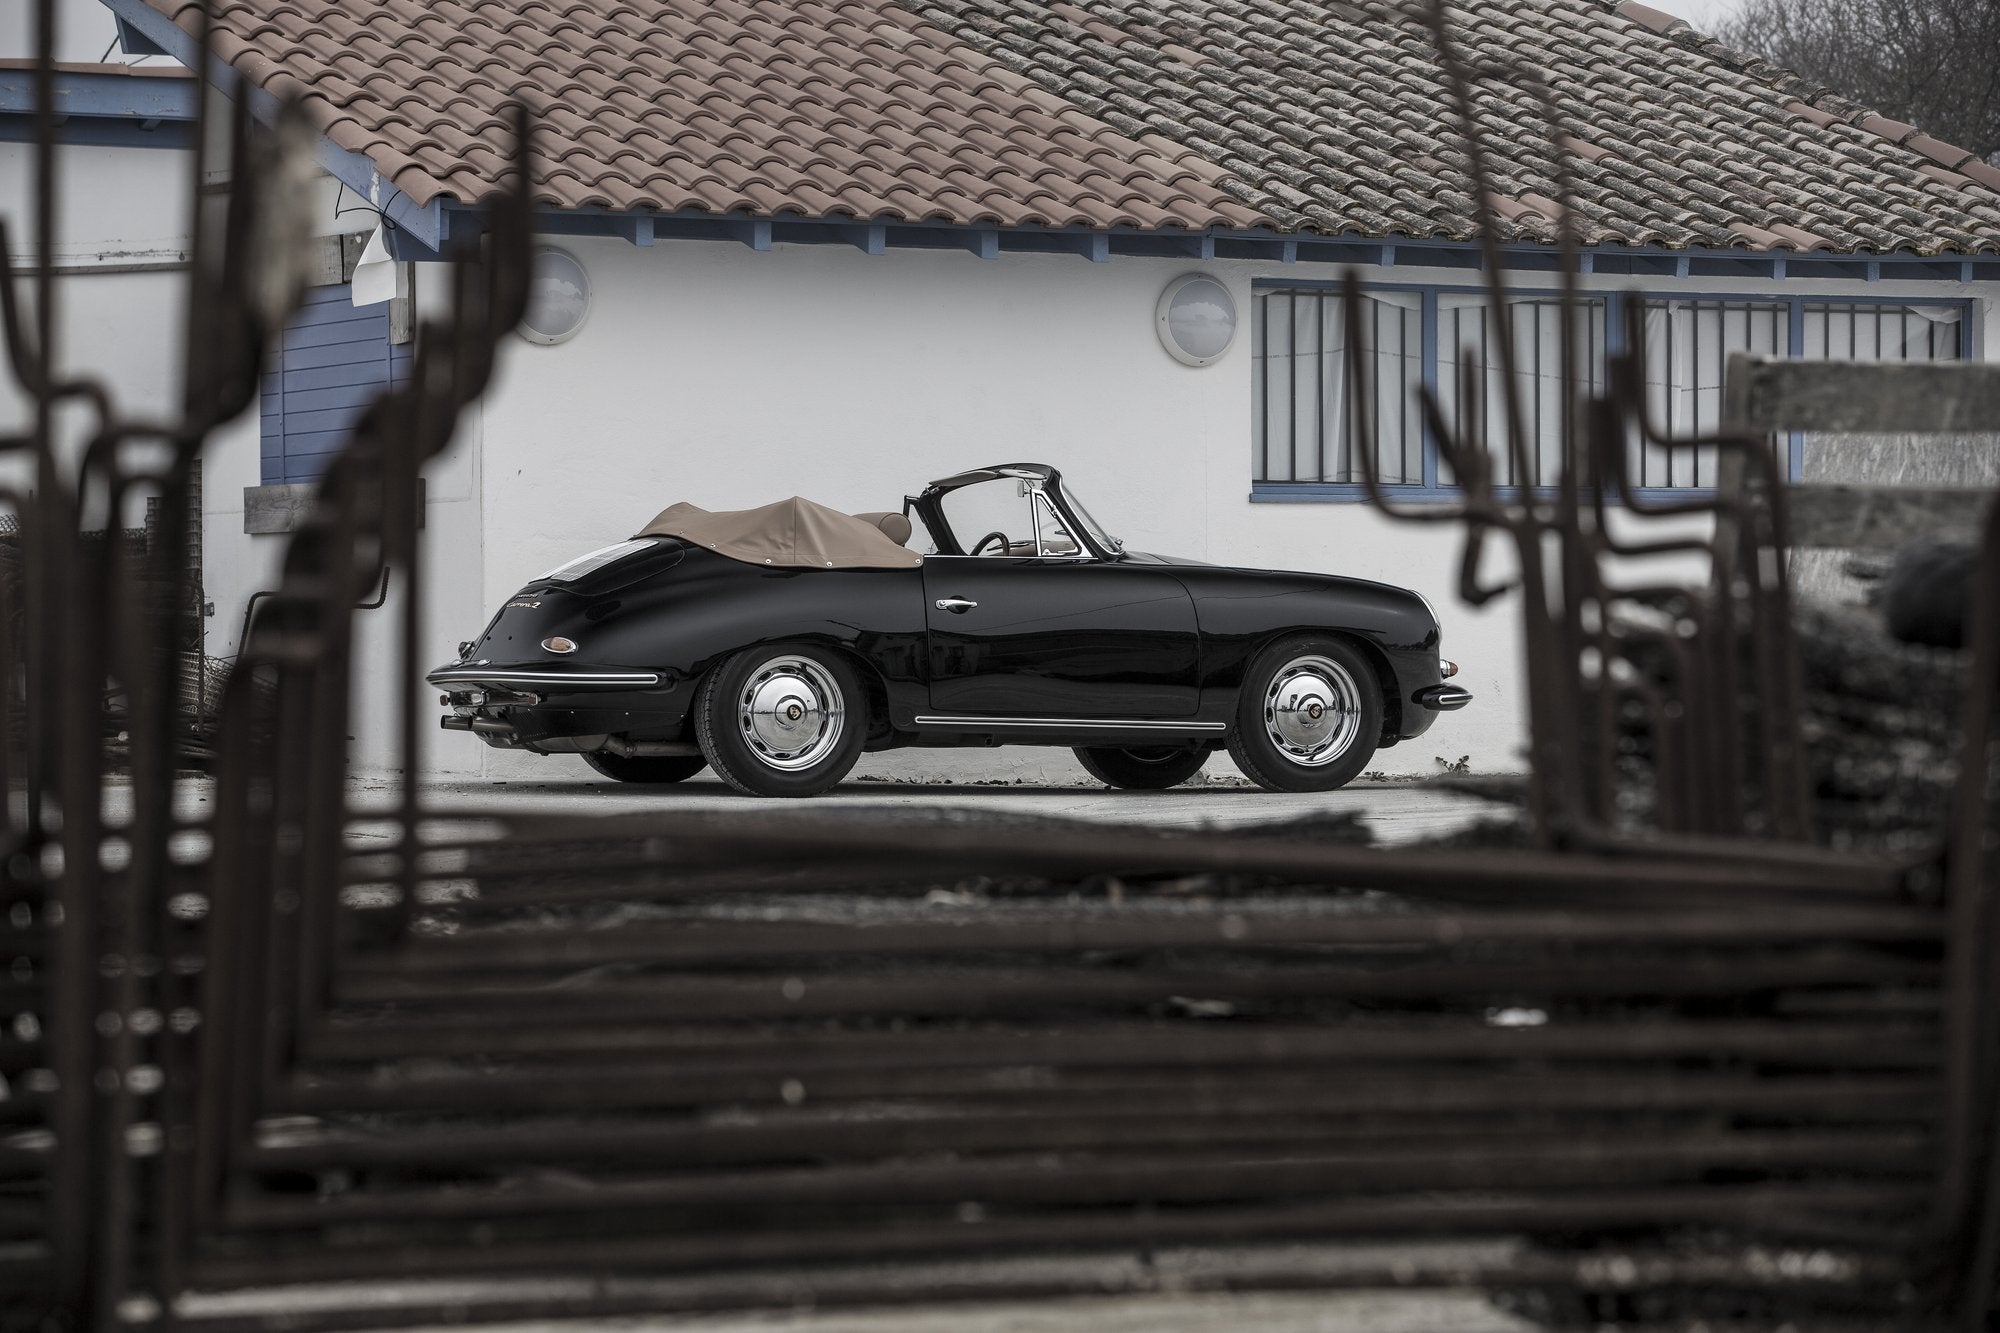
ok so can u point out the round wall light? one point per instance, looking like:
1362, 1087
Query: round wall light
1196, 319
558, 297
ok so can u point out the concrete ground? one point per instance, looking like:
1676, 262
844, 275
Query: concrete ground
1398, 811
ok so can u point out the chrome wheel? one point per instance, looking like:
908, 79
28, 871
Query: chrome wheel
790, 713
1312, 710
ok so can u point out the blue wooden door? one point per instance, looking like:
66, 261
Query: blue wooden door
334, 359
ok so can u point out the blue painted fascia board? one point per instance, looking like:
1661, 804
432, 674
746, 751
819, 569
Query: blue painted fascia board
989, 241
89, 95
96, 132
424, 222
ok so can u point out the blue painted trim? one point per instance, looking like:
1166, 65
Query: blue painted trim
102, 96
103, 133
1648, 293
1305, 492
1099, 246
1427, 327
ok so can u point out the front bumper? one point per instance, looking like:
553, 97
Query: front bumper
1442, 698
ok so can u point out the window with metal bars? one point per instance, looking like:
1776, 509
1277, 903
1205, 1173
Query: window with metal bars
1469, 345
1687, 345
1304, 416
1305, 440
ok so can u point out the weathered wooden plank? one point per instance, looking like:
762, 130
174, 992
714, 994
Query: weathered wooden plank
1778, 394
269, 509
1881, 518
283, 507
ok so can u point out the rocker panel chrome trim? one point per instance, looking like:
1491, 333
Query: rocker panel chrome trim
972, 723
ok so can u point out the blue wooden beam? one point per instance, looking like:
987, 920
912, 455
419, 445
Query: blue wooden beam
95, 95
638, 228
984, 242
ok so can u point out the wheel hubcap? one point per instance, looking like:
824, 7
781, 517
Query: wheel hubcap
1312, 711
790, 713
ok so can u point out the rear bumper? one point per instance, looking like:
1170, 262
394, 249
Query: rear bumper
553, 679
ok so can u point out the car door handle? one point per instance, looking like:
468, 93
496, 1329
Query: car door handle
956, 605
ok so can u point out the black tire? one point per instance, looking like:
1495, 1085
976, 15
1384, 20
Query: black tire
762, 700
653, 769
1147, 768
1334, 680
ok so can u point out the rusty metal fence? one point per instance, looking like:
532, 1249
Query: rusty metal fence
271, 1063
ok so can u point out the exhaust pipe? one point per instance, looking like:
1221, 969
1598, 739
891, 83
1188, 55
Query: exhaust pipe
625, 749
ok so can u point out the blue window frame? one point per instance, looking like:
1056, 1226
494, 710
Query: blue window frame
1303, 435
333, 360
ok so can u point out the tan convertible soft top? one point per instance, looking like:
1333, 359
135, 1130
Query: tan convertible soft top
795, 533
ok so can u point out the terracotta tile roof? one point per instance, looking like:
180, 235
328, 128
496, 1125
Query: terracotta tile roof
1324, 116
814, 107
1334, 117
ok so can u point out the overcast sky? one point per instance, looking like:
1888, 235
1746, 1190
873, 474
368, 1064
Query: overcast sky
1703, 14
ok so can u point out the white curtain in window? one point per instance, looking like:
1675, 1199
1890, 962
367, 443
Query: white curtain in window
1302, 402
1873, 331
1687, 345
1466, 337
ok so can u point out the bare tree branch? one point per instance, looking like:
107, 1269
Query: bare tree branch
1929, 62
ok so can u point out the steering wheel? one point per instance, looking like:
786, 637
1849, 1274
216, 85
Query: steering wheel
1000, 537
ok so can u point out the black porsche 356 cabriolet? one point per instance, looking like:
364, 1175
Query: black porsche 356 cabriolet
774, 645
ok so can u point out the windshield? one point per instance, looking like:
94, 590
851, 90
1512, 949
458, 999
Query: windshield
1007, 516
1091, 526
596, 560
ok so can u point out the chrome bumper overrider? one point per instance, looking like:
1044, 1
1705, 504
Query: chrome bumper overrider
1443, 698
